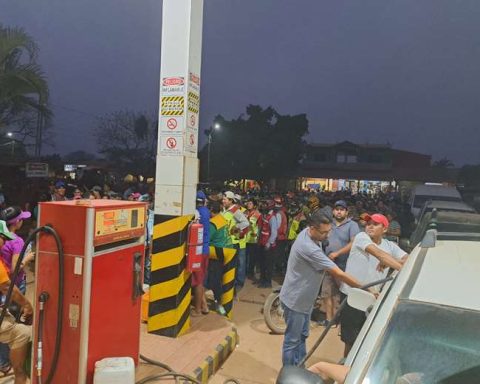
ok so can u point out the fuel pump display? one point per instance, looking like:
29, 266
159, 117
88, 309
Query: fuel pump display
103, 243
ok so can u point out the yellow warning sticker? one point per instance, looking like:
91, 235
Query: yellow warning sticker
193, 102
172, 105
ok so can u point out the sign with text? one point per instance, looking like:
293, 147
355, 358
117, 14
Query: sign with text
36, 170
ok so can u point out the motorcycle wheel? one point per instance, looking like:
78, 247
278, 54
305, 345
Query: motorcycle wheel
273, 314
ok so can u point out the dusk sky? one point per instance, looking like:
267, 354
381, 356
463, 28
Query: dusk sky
405, 72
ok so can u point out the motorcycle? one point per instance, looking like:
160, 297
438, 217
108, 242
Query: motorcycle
273, 312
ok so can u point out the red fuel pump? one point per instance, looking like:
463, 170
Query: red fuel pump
103, 243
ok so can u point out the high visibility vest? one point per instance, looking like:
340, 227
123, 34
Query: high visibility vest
294, 227
252, 236
228, 215
265, 230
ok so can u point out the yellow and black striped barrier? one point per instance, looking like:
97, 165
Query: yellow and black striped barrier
215, 360
227, 257
170, 282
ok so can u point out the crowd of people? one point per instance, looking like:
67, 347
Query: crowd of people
314, 243
293, 237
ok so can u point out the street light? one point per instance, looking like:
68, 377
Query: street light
12, 143
216, 126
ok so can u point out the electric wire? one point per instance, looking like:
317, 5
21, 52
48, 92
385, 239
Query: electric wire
170, 373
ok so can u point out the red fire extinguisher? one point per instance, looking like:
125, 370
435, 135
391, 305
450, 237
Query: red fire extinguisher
194, 247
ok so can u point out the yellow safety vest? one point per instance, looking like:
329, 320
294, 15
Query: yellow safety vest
252, 236
242, 243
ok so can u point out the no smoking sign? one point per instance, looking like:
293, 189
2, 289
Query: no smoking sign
171, 143
172, 123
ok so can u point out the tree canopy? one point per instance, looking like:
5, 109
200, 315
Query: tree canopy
129, 139
261, 144
23, 86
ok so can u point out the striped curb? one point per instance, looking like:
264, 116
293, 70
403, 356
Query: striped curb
215, 360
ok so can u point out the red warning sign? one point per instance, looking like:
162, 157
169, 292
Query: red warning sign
171, 143
192, 139
172, 123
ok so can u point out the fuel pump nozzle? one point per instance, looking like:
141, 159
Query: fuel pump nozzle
42, 299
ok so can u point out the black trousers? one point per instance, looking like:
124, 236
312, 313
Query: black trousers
252, 258
265, 258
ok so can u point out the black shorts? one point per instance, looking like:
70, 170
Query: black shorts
351, 322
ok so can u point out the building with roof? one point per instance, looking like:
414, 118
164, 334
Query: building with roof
367, 167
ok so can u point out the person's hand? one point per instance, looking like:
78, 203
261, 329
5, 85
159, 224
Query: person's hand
267, 247
381, 267
373, 292
28, 258
333, 255
27, 313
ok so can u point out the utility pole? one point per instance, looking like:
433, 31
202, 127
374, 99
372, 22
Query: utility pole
177, 165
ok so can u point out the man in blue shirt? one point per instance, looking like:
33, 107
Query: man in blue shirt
340, 241
302, 282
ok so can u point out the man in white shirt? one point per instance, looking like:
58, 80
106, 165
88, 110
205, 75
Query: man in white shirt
370, 257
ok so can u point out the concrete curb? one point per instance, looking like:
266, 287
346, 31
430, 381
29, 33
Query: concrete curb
215, 360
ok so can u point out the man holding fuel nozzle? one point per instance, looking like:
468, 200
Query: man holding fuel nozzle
370, 257
302, 282
17, 336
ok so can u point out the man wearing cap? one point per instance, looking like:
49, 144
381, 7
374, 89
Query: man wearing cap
340, 241
369, 254
17, 336
59, 192
306, 264
238, 225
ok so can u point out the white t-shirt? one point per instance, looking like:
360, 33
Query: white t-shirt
363, 266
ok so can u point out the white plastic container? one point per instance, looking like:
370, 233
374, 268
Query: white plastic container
114, 370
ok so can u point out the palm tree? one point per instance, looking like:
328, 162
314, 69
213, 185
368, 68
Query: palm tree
23, 86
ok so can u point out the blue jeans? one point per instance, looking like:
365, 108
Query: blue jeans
241, 272
294, 343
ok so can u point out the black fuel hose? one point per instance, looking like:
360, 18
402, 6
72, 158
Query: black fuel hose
61, 272
337, 316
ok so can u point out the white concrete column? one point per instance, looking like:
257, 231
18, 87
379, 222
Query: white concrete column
177, 164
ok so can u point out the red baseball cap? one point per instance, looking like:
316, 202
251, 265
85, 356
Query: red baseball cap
377, 218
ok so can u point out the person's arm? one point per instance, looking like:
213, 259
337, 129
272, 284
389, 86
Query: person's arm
345, 277
17, 297
327, 371
384, 258
273, 232
26, 259
342, 251
241, 221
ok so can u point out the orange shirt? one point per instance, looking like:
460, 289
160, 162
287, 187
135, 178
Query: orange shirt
3, 273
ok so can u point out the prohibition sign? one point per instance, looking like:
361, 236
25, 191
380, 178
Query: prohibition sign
171, 143
192, 139
171, 123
